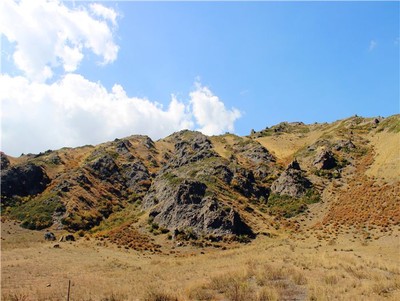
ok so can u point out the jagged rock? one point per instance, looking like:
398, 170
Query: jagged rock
187, 206
255, 153
135, 173
23, 180
148, 143
55, 159
197, 148
291, 182
344, 144
122, 146
222, 172
325, 160
5, 163
105, 168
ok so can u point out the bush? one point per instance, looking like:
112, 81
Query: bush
37, 214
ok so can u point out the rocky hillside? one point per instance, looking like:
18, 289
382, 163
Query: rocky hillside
192, 186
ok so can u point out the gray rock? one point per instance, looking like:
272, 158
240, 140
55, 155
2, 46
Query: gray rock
5, 163
105, 168
325, 160
345, 145
49, 236
134, 174
291, 182
186, 205
23, 180
190, 150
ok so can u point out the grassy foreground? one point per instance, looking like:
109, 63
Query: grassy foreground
281, 268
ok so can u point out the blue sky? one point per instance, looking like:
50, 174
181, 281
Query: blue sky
230, 66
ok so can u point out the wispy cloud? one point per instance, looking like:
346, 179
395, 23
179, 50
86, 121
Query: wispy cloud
372, 45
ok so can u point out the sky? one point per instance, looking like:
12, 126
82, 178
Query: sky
79, 72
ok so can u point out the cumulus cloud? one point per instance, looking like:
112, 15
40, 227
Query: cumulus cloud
47, 34
71, 110
75, 111
210, 112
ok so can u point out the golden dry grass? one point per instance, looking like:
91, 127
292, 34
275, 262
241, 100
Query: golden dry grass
267, 269
286, 145
387, 159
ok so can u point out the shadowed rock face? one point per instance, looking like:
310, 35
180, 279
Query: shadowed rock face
291, 182
5, 163
325, 160
187, 206
23, 180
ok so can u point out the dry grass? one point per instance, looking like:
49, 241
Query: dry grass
267, 269
387, 159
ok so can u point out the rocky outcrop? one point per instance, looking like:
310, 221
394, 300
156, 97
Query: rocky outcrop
104, 168
346, 145
135, 174
23, 180
4, 163
325, 160
192, 149
292, 182
187, 205
257, 156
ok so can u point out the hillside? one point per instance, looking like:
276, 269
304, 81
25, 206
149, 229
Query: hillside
221, 185
200, 211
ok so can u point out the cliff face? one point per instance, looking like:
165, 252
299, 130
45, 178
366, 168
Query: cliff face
221, 185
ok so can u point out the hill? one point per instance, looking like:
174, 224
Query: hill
221, 185
262, 217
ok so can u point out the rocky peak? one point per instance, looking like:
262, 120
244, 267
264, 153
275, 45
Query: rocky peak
190, 147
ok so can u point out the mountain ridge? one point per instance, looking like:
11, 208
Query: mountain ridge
225, 187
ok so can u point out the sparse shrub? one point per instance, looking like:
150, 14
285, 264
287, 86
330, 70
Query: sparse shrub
16, 297
267, 294
37, 214
114, 297
299, 278
243, 238
331, 279
160, 296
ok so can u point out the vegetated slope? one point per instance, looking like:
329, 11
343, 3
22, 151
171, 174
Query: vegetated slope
222, 187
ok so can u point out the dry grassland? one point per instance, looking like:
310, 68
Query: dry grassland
281, 268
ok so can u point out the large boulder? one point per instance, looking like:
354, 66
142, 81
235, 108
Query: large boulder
292, 182
187, 205
325, 160
23, 180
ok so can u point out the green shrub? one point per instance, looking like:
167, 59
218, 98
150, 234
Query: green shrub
37, 214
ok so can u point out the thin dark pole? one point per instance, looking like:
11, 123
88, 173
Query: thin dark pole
69, 288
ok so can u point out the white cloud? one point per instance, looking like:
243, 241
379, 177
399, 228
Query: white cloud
104, 12
372, 45
75, 111
210, 113
37, 115
47, 34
